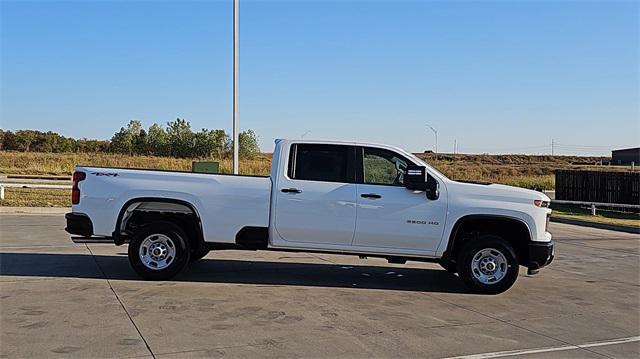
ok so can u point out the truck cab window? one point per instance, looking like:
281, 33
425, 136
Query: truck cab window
383, 167
313, 162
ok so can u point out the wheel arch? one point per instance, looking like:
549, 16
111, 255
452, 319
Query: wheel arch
119, 235
484, 223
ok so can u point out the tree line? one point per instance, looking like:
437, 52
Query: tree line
176, 139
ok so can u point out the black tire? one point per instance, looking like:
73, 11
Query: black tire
197, 255
449, 266
180, 248
491, 246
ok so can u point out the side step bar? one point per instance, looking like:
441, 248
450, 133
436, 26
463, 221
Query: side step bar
97, 240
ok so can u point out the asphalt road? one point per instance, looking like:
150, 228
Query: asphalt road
60, 299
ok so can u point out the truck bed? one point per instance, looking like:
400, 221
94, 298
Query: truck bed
225, 203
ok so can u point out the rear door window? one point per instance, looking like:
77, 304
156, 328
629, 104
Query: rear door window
317, 162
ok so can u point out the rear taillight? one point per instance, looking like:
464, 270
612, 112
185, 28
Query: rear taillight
75, 190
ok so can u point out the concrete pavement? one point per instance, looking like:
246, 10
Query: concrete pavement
60, 299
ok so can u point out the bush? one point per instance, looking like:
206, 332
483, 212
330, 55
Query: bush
178, 140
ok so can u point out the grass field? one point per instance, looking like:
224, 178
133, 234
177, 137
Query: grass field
28, 197
63, 163
607, 217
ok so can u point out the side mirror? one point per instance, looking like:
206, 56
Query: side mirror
433, 188
415, 179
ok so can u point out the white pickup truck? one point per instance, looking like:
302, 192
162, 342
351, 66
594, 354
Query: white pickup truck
333, 197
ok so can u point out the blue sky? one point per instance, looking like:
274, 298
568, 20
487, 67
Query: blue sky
506, 76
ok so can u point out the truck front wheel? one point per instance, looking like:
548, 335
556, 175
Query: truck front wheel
488, 264
158, 251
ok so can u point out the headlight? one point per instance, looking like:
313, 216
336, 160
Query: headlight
541, 203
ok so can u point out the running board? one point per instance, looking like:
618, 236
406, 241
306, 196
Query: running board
83, 240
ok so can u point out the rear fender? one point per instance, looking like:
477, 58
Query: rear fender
153, 204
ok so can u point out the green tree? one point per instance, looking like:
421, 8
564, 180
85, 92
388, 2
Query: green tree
248, 144
122, 141
25, 139
9, 141
157, 141
180, 138
140, 143
135, 128
54, 142
209, 143
4, 135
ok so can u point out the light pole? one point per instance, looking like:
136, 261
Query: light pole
436, 133
236, 50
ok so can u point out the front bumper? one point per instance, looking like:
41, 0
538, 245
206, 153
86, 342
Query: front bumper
540, 254
79, 224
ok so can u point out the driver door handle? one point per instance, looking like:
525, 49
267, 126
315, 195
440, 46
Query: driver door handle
290, 190
370, 195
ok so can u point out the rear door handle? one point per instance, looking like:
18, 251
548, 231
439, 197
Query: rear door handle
370, 195
290, 190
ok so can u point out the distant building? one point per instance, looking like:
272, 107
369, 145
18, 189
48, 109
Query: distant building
626, 156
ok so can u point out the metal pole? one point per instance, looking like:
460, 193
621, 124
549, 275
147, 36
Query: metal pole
236, 50
436, 133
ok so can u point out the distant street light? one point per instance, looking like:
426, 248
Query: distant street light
436, 133
236, 50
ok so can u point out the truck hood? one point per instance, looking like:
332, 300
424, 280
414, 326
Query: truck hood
496, 192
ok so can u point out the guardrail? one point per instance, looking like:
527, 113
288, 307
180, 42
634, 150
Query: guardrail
594, 205
30, 185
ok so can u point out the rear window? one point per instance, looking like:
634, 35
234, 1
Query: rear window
326, 163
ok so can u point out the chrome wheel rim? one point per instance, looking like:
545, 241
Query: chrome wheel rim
157, 252
489, 266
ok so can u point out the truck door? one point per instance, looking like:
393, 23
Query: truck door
316, 198
388, 214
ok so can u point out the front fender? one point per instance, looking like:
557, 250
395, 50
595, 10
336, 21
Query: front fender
458, 218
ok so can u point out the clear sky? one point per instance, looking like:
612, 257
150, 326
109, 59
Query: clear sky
505, 76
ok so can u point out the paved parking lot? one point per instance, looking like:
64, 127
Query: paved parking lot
63, 299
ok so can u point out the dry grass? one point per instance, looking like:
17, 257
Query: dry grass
28, 197
534, 172
64, 163
607, 217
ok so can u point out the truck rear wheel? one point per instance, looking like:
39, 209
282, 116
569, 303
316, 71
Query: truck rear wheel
488, 265
159, 251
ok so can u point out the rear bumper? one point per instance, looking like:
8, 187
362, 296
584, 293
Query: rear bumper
540, 254
79, 224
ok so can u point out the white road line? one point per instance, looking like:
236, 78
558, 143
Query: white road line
547, 349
